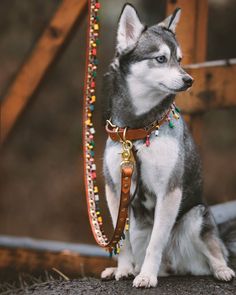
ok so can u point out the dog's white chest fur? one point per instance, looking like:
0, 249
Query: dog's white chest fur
157, 162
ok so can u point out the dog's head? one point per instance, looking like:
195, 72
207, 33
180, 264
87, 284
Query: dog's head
151, 56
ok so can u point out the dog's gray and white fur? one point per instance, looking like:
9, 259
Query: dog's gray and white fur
171, 230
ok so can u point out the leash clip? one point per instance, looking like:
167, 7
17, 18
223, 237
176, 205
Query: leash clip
126, 150
127, 154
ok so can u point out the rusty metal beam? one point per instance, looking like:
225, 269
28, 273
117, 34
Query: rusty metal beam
192, 28
34, 69
192, 35
215, 88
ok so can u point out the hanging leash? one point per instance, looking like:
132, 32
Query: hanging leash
124, 135
127, 159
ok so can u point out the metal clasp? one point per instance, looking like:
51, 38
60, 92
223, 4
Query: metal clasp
127, 154
126, 150
110, 123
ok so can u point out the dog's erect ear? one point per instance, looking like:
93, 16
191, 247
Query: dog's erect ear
129, 29
171, 21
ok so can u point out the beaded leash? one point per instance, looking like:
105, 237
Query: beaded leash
91, 188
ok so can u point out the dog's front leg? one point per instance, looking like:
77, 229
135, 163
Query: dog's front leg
165, 215
125, 266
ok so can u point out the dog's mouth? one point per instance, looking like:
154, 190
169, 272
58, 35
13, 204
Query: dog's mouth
174, 90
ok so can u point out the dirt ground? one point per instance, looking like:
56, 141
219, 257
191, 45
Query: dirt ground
166, 286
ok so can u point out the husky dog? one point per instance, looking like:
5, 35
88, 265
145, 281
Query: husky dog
171, 231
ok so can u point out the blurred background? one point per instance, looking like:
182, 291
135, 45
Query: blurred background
41, 178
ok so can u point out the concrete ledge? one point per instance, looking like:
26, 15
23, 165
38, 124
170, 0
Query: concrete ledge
52, 246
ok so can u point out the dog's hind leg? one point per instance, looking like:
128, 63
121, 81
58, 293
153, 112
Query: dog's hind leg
165, 215
195, 246
214, 249
125, 258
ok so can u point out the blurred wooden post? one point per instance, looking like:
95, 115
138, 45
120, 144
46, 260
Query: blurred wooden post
192, 36
35, 67
215, 87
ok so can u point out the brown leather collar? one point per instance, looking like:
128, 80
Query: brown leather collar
119, 134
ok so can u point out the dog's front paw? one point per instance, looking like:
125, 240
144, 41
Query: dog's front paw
109, 273
145, 281
224, 273
124, 272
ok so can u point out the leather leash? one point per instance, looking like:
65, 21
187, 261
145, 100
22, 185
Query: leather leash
127, 168
127, 158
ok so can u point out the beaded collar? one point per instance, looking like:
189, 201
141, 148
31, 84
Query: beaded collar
124, 133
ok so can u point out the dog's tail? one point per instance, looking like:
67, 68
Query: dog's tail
225, 216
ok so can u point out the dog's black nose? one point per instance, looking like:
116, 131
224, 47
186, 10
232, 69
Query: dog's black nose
188, 80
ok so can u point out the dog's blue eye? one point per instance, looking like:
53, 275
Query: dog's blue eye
161, 59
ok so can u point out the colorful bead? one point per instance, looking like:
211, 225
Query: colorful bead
110, 254
118, 250
100, 219
96, 61
94, 168
92, 130
127, 224
93, 99
171, 124
94, 51
96, 27
176, 116
94, 175
147, 141
177, 109
91, 107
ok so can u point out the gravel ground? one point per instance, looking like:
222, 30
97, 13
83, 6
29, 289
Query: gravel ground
166, 286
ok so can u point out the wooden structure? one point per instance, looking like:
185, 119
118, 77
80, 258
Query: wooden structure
215, 86
36, 66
